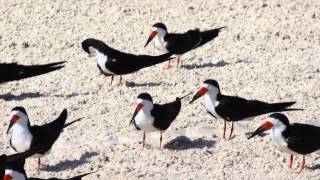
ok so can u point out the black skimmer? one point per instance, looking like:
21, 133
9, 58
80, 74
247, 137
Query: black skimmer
150, 117
113, 62
4, 159
14, 71
24, 136
232, 108
294, 139
179, 43
15, 171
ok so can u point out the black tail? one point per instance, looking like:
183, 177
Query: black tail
147, 61
35, 70
80, 176
58, 124
180, 98
207, 36
13, 71
278, 107
70, 123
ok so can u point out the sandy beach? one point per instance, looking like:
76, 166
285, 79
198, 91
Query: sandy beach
269, 51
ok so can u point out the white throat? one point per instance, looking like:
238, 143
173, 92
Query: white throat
159, 41
21, 137
15, 174
210, 100
102, 59
143, 119
276, 136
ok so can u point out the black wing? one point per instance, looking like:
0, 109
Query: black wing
18, 157
124, 63
165, 114
14, 71
209, 35
303, 138
73, 178
17, 165
236, 108
47, 134
181, 43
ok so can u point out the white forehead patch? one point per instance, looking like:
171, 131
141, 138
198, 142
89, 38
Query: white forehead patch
20, 114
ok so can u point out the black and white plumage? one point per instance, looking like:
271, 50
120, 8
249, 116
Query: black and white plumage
113, 62
233, 108
150, 117
25, 137
180, 43
15, 171
294, 139
14, 71
10, 159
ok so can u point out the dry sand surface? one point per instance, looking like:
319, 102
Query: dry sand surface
270, 51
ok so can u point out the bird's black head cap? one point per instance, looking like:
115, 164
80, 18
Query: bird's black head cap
145, 96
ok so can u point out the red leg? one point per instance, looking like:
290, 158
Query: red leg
178, 62
231, 131
224, 129
120, 81
160, 141
290, 162
111, 80
143, 139
39, 164
168, 65
302, 165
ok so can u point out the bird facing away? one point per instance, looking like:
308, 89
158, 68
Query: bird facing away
294, 139
179, 43
233, 108
150, 117
25, 137
113, 62
14, 71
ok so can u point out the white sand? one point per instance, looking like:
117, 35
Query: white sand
272, 50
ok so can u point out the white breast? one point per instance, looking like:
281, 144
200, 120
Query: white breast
160, 44
21, 138
279, 141
210, 105
15, 174
144, 121
102, 60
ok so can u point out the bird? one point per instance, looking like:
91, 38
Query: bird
25, 137
150, 117
14, 71
15, 171
7, 159
179, 43
294, 139
233, 108
113, 62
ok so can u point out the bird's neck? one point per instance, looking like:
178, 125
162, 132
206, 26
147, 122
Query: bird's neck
20, 128
15, 174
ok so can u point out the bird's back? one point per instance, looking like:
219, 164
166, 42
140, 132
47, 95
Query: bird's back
303, 138
47, 134
182, 43
165, 113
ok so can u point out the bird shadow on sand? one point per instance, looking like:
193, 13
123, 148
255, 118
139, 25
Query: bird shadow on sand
150, 84
205, 65
70, 164
183, 143
315, 167
10, 97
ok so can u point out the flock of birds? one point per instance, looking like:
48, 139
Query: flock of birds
36, 141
